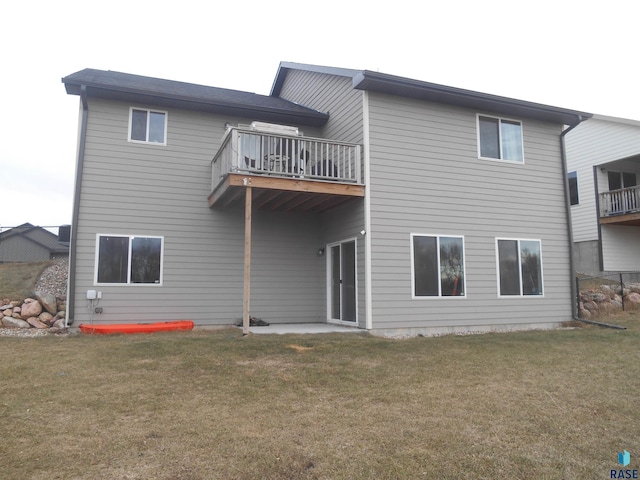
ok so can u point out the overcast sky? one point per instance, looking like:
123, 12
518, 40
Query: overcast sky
572, 54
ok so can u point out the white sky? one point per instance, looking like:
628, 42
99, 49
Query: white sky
572, 54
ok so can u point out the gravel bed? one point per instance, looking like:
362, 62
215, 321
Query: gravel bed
30, 332
54, 278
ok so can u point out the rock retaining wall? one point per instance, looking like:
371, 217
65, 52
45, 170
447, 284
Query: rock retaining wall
608, 299
46, 311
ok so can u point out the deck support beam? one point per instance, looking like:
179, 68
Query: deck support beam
247, 261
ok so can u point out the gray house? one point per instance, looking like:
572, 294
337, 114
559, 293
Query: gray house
345, 196
30, 243
603, 158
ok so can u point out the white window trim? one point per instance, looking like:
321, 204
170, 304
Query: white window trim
328, 259
413, 274
521, 295
500, 119
148, 110
128, 283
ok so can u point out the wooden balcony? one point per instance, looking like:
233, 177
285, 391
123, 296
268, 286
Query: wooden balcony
620, 207
285, 171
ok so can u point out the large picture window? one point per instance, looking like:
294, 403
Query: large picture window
519, 267
129, 260
438, 266
148, 126
500, 139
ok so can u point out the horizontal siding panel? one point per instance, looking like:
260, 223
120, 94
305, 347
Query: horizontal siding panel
138, 189
426, 178
597, 141
622, 252
330, 94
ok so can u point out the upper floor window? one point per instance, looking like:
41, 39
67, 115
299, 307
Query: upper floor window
438, 266
122, 259
573, 188
620, 180
148, 126
500, 139
519, 267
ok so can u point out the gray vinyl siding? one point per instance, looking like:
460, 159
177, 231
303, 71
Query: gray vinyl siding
336, 96
139, 189
346, 223
329, 94
426, 178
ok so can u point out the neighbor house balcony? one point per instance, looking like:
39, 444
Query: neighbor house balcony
620, 207
285, 171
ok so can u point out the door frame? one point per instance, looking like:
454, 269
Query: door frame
329, 272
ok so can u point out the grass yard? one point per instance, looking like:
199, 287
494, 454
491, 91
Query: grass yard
215, 405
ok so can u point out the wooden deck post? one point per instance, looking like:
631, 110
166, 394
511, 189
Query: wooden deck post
247, 260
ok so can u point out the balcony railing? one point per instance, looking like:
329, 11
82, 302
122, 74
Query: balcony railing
259, 153
618, 202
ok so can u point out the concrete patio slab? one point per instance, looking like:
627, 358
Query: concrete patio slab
302, 328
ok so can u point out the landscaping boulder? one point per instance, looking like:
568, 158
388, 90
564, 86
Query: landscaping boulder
591, 306
46, 317
10, 322
633, 298
34, 322
31, 309
48, 301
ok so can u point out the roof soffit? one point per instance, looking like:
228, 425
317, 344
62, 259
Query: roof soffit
432, 92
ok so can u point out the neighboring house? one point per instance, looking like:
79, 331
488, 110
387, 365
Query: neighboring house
346, 196
603, 158
28, 243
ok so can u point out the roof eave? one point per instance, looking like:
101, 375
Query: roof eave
311, 118
374, 81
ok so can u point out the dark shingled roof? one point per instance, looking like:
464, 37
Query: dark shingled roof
37, 235
156, 91
432, 92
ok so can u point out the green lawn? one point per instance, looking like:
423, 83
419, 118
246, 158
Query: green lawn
216, 405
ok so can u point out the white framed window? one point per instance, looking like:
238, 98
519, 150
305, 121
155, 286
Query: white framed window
573, 188
128, 259
147, 126
620, 180
437, 266
519, 267
500, 139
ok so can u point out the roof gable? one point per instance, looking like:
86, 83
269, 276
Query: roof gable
284, 68
37, 235
407, 87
